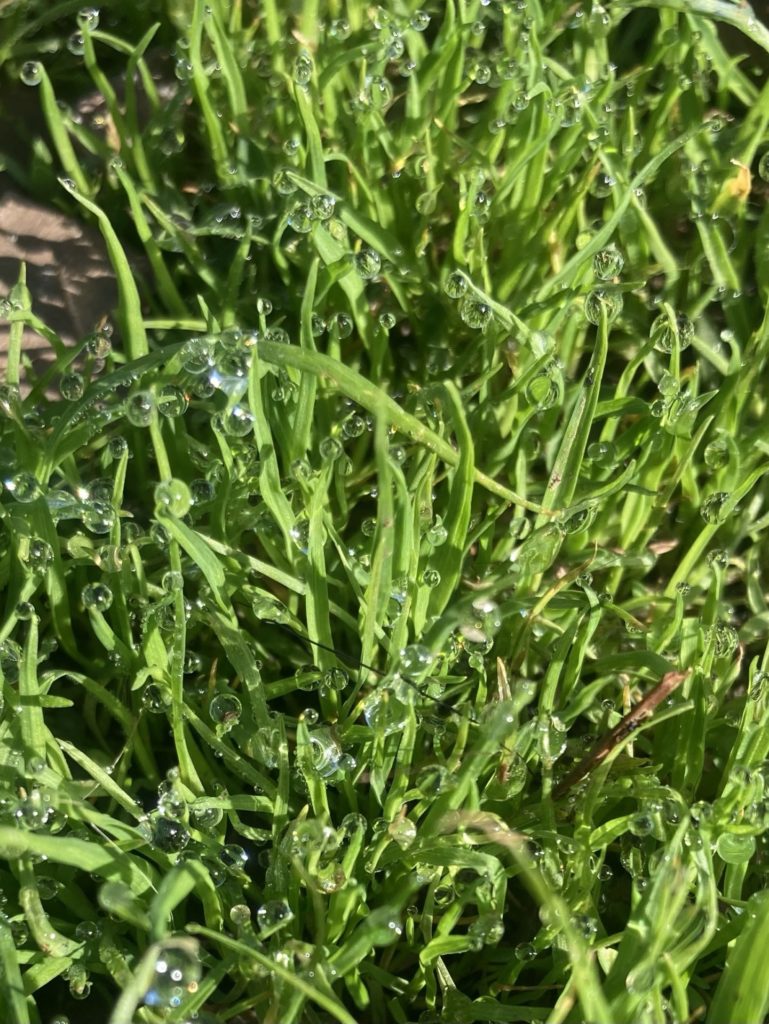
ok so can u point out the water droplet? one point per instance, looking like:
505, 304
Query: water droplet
725, 639
486, 930
240, 915
97, 597
171, 401
416, 660
384, 712
665, 329
225, 710
603, 453
76, 44
272, 916
377, 93
383, 927
368, 263
545, 388
155, 698
24, 487
31, 72
403, 832
72, 386
97, 516
475, 313
303, 70
712, 508
173, 497
139, 408
763, 166
117, 447
431, 577
419, 20
600, 301
342, 324
598, 23
353, 426
322, 206
525, 951
734, 848
300, 218
169, 835
39, 554
608, 263
437, 533
88, 18
716, 453
177, 974
197, 355
238, 422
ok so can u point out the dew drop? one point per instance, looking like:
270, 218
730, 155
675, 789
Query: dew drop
272, 916
96, 597
24, 487
139, 408
608, 263
665, 329
712, 508
475, 313
72, 386
173, 497
225, 710
600, 302
456, 285
368, 263
763, 166
31, 72
177, 974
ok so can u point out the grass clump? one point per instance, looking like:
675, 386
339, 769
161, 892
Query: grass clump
430, 438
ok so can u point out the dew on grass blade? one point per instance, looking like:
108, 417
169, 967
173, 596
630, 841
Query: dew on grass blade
716, 453
155, 698
173, 497
300, 218
608, 263
24, 487
97, 597
140, 408
171, 401
666, 328
88, 18
72, 386
475, 313
225, 710
368, 263
303, 70
169, 835
603, 453
177, 973
602, 302
456, 285
31, 72
272, 916
712, 508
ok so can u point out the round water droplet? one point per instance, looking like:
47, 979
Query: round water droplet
608, 263
273, 915
712, 508
173, 497
733, 848
525, 951
419, 20
155, 698
603, 453
300, 218
202, 491
238, 422
303, 70
177, 974
403, 832
725, 639
368, 263
225, 710
602, 302
598, 23
456, 285
475, 313
240, 915
431, 577
24, 487
342, 324
716, 453
197, 355
97, 597
139, 408
171, 401
117, 447
72, 386
322, 206
353, 426
545, 388
377, 93
97, 516
665, 330
76, 44
437, 533
31, 72
88, 18
87, 931
763, 166
169, 835
416, 660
